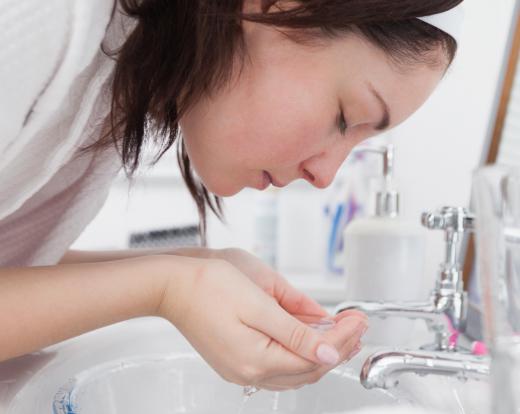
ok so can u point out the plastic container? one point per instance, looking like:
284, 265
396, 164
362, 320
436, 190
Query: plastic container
384, 258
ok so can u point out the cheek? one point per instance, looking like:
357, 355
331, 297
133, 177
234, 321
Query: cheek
267, 119
279, 138
283, 125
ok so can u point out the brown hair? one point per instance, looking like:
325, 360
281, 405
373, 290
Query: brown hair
181, 50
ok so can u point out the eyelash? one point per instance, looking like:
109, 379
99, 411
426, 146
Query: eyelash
342, 123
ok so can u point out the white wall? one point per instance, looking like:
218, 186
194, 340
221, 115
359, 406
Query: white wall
437, 150
442, 144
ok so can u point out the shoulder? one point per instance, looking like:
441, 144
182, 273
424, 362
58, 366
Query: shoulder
36, 39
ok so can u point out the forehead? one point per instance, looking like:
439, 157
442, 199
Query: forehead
359, 67
347, 67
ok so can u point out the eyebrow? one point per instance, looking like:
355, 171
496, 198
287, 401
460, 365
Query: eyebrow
385, 120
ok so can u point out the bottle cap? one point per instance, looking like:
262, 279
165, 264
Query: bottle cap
387, 204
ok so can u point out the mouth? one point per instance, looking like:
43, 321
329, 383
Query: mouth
266, 181
272, 180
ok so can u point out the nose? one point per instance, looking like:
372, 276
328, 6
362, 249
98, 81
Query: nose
321, 169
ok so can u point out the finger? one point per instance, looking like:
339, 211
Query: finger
274, 386
278, 360
294, 301
295, 381
352, 351
346, 333
351, 347
348, 313
291, 382
286, 380
293, 334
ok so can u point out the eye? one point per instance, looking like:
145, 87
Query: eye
342, 123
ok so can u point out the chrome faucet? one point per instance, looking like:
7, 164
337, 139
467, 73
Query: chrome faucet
444, 313
382, 369
446, 310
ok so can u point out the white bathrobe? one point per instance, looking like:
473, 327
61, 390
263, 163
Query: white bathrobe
54, 97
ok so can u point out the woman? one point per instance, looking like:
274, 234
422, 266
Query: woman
264, 92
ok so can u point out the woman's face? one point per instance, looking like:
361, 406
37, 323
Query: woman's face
280, 119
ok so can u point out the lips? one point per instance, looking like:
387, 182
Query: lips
273, 181
266, 180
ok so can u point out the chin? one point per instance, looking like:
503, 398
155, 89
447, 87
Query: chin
222, 190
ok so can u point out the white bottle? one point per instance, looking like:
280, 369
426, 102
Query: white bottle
384, 261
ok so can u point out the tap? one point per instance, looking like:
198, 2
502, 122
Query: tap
445, 311
438, 314
382, 369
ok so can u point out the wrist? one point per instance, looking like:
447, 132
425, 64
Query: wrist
196, 252
179, 275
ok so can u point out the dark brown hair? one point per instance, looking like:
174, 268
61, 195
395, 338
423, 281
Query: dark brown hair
181, 50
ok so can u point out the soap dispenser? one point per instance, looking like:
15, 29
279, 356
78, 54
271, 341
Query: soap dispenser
384, 256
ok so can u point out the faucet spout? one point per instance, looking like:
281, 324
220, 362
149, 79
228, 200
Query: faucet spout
434, 314
443, 314
410, 310
382, 369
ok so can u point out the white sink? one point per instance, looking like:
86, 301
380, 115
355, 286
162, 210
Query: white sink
146, 366
183, 383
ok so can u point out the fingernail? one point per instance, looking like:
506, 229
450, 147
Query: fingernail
355, 351
362, 329
327, 354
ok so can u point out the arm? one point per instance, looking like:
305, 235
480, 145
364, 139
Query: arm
40, 306
87, 256
224, 315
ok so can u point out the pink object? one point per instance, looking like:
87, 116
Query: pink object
479, 348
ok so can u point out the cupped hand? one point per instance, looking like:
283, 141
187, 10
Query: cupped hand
247, 331
271, 282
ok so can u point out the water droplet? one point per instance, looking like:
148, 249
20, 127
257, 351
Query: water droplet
249, 390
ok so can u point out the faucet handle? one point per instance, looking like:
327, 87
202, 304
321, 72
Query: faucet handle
455, 221
450, 219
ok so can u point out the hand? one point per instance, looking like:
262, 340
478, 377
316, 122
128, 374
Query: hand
271, 282
246, 336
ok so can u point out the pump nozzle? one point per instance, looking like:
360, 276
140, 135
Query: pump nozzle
387, 200
387, 151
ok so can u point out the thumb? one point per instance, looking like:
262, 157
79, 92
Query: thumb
295, 335
294, 301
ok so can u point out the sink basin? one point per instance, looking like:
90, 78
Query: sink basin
184, 383
146, 365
